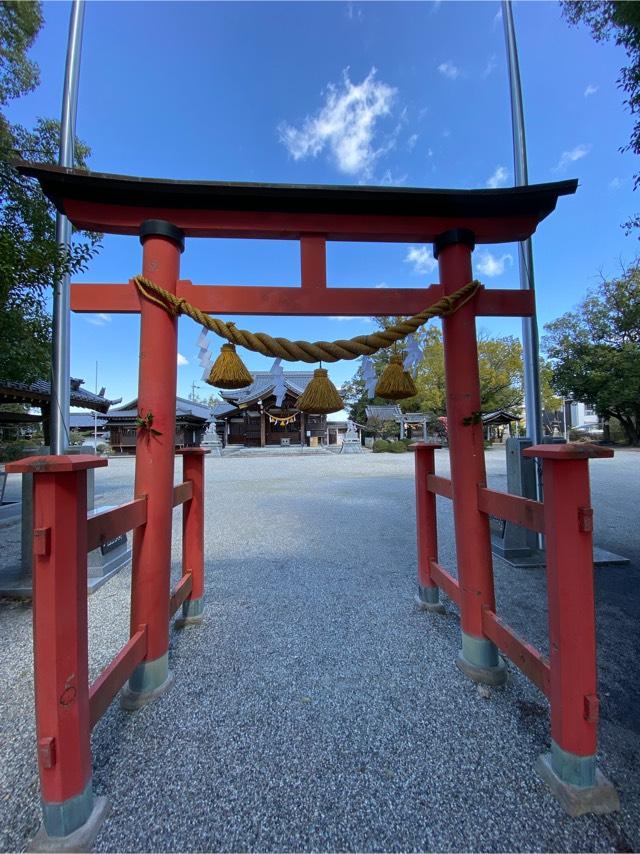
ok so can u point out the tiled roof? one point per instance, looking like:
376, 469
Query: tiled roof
40, 392
184, 409
262, 385
86, 421
387, 412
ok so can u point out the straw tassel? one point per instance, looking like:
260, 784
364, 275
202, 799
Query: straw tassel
229, 370
321, 396
395, 383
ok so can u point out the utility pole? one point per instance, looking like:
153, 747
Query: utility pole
530, 346
60, 389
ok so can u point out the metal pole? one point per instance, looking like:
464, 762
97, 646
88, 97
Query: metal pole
60, 389
530, 347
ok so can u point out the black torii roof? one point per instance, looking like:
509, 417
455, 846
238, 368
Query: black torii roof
79, 188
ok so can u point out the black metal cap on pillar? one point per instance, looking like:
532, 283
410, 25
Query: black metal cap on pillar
453, 237
162, 228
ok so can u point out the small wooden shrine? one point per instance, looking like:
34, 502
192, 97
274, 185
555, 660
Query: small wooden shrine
254, 419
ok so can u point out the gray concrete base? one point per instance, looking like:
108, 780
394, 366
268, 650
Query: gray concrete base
148, 681
577, 800
428, 599
479, 660
192, 613
81, 839
493, 676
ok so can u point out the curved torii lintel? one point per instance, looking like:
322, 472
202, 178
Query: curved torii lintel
118, 204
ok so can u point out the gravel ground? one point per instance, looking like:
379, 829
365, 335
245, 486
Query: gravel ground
317, 708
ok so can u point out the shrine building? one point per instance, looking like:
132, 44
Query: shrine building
252, 417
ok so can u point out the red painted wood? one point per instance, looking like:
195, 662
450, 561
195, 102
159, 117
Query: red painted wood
313, 261
569, 451
115, 674
572, 637
150, 576
193, 519
308, 301
446, 581
513, 508
122, 219
109, 524
60, 634
181, 493
181, 592
466, 445
525, 656
440, 486
62, 463
426, 521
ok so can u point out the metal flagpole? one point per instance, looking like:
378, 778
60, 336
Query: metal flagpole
530, 348
60, 388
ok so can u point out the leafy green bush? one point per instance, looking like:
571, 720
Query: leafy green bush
380, 446
10, 451
397, 447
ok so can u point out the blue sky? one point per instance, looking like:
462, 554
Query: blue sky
414, 94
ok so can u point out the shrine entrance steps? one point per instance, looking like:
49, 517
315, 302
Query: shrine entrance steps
276, 451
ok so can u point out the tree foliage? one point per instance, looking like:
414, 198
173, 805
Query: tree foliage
500, 367
30, 260
595, 350
620, 21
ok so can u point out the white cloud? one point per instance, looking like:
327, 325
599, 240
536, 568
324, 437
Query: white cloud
590, 90
354, 12
497, 17
499, 177
382, 285
350, 317
429, 152
615, 183
488, 265
99, 319
449, 70
182, 360
388, 179
411, 142
490, 66
345, 125
422, 259
571, 156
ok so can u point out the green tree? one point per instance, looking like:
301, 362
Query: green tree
595, 351
30, 260
500, 365
620, 21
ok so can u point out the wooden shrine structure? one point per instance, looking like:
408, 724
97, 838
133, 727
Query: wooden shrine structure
254, 418
162, 214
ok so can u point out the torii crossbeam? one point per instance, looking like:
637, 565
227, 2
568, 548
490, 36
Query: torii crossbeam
313, 215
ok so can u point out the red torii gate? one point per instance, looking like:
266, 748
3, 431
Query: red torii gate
162, 214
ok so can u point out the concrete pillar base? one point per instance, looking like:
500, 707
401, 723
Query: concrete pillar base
428, 599
149, 681
81, 839
192, 613
479, 660
577, 800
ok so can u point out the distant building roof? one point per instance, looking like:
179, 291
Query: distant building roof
86, 421
499, 416
263, 384
387, 412
185, 409
39, 393
220, 409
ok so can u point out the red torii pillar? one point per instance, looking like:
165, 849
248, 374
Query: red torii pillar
478, 657
155, 454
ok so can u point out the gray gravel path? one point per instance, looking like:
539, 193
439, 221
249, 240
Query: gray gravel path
316, 708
